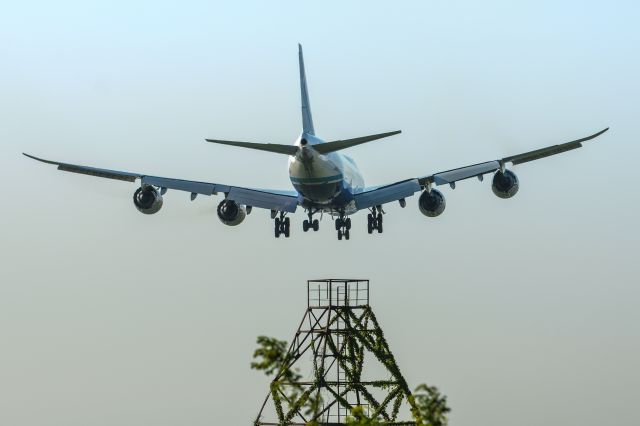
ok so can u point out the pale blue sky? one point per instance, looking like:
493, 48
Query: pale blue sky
522, 311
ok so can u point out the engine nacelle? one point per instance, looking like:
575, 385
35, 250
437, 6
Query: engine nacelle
147, 199
432, 203
231, 213
505, 184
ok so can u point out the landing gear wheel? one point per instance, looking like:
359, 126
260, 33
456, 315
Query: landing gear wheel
342, 226
287, 224
282, 225
305, 225
316, 225
277, 227
374, 221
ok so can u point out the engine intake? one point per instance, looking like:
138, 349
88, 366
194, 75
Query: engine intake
147, 200
505, 184
231, 213
432, 203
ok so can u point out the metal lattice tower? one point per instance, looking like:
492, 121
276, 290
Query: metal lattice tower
338, 332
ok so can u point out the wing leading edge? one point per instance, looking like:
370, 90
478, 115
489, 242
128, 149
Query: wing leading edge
452, 176
403, 189
262, 198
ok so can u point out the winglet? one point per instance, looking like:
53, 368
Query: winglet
307, 120
40, 159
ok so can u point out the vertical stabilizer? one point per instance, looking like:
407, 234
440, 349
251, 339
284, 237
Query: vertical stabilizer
307, 120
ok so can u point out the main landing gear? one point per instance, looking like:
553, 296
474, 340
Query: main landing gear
310, 224
282, 225
343, 226
374, 221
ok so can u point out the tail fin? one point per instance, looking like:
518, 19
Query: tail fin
307, 120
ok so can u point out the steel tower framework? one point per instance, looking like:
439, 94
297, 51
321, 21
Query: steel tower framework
338, 332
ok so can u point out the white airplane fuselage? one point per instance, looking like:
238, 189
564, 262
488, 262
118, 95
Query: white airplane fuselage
327, 182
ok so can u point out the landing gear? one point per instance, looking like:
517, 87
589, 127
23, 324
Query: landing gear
314, 224
282, 225
343, 226
374, 221
310, 224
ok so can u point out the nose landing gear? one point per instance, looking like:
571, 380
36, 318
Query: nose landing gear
343, 226
282, 225
374, 221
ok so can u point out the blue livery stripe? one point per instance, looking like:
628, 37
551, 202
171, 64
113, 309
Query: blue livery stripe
326, 179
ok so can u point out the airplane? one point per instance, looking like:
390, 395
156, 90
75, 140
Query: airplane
324, 181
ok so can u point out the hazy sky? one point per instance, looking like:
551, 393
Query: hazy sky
524, 312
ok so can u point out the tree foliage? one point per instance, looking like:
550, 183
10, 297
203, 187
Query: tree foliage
271, 356
432, 405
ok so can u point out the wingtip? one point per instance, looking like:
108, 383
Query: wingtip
42, 160
593, 136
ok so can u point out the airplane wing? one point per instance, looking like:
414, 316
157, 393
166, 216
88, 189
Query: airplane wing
286, 201
397, 191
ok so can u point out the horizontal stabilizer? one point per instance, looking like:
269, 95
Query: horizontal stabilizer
328, 147
269, 147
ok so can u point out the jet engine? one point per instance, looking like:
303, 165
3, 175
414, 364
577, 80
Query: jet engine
432, 203
231, 213
505, 184
147, 199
